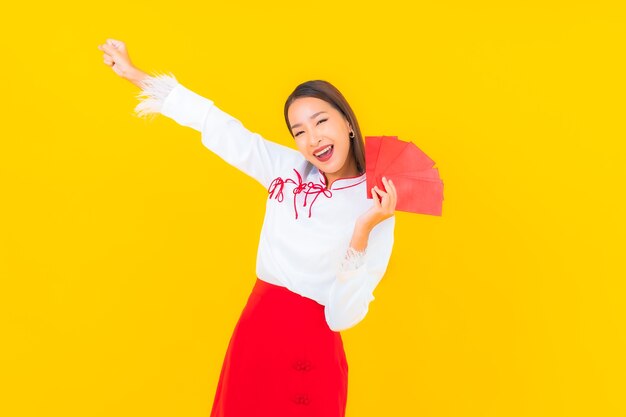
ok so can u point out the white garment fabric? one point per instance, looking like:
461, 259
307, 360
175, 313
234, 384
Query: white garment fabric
305, 239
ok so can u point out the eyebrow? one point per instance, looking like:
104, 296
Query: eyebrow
300, 124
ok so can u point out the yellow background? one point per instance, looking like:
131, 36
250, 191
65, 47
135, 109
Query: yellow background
127, 249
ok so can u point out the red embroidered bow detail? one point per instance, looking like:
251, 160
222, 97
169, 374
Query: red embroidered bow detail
307, 188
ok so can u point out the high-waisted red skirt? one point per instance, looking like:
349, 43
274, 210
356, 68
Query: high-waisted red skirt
282, 360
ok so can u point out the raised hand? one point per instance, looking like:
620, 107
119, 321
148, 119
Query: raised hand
384, 204
116, 56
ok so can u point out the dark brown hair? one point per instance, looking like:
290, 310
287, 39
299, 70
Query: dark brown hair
326, 91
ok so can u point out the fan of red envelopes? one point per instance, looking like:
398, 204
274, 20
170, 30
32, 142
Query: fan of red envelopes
419, 188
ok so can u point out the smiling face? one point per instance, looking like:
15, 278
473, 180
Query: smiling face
322, 136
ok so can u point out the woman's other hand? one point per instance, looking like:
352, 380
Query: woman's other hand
116, 56
384, 205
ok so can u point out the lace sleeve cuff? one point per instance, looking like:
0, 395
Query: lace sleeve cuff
352, 260
154, 90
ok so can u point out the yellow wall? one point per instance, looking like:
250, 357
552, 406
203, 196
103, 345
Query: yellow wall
127, 249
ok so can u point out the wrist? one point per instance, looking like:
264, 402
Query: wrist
365, 226
360, 236
135, 76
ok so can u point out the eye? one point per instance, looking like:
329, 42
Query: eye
318, 122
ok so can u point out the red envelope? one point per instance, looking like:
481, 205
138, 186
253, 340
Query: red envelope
418, 159
372, 149
417, 182
389, 151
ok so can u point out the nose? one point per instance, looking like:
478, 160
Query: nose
314, 139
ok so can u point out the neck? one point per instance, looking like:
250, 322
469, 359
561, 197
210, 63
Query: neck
347, 172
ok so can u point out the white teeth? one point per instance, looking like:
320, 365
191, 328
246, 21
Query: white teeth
323, 150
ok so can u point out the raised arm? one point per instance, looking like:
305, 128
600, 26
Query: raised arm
359, 275
221, 133
365, 262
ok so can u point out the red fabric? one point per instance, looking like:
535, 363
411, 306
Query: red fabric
282, 360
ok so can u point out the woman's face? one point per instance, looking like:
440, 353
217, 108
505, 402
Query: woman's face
316, 125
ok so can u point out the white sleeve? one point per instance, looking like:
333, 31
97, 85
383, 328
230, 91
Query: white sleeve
360, 273
221, 133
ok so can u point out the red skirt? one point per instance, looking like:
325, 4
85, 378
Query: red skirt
282, 360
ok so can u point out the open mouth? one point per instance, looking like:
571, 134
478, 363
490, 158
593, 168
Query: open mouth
325, 154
